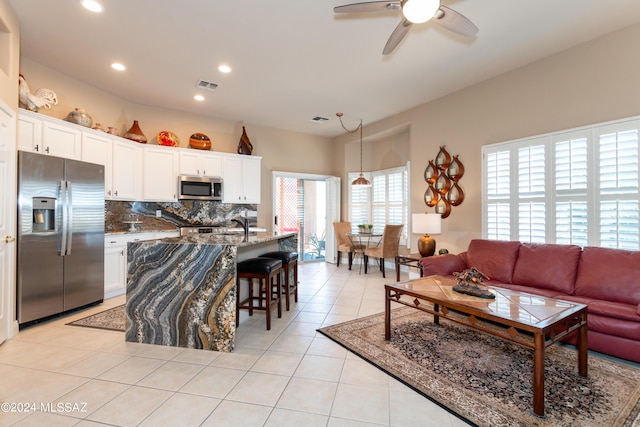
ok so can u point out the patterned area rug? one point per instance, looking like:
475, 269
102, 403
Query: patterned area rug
113, 319
488, 381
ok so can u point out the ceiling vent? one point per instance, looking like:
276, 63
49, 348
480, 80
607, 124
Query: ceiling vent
318, 119
203, 84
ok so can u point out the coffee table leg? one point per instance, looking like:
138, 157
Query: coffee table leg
387, 315
436, 318
538, 375
582, 349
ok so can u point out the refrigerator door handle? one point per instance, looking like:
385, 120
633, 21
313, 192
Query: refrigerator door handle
69, 221
63, 210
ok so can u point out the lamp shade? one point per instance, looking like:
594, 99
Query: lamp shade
428, 223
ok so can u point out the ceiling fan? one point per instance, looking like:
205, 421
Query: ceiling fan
414, 12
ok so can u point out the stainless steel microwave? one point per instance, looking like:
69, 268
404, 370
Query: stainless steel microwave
199, 188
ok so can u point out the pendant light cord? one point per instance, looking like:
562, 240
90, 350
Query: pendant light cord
353, 131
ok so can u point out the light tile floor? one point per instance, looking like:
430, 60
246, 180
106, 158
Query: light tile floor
289, 376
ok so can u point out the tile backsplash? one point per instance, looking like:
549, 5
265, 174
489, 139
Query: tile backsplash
172, 215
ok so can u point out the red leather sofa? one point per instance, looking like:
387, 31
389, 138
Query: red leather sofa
606, 280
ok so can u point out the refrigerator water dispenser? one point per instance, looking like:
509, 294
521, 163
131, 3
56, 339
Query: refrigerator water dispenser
44, 214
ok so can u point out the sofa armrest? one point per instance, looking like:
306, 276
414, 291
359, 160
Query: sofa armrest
638, 309
443, 265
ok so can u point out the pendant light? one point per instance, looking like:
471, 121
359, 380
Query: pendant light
360, 181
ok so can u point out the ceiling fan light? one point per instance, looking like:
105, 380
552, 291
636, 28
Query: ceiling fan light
419, 11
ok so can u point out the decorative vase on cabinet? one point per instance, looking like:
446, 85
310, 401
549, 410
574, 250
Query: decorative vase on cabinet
135, 133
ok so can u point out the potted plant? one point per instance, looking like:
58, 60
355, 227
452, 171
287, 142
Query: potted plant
365, 228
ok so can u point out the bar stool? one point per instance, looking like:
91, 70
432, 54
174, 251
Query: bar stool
265, 270
289, 264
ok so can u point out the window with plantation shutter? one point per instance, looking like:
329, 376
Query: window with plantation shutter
573, 187
385, 202
498, 185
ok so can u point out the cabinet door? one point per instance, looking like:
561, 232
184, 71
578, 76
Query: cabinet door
115, 273
251, 179
125, 170
190, 163
29, 133
160, 179
98, 149
61, 140
232, 180
212, 165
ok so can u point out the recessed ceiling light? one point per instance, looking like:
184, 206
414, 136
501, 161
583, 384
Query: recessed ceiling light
199, 98
118, 66
92, 5
224, 69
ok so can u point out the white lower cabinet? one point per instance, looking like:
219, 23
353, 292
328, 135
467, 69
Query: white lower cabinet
115, 258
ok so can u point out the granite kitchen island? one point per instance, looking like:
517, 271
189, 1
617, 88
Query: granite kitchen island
181, 291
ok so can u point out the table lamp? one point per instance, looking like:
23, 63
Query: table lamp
427, 223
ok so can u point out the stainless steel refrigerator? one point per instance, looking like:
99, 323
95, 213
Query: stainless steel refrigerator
60, 235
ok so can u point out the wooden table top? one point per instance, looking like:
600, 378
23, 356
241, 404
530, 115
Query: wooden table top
521, 308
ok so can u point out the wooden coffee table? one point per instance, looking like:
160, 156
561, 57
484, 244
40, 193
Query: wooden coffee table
531, 320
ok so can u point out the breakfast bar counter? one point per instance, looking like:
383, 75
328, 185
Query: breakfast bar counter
181, 291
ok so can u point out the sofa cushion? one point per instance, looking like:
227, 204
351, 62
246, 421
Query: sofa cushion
616, 310
609, 275
494, 258
442, 265
547, 266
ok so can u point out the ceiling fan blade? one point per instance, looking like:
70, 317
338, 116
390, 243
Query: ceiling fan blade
455, 21
396, 37
370, 6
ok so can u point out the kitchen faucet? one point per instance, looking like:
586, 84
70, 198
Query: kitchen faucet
244, 223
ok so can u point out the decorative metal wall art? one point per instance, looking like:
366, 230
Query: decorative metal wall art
442, 175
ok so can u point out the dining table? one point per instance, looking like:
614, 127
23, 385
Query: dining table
362, 241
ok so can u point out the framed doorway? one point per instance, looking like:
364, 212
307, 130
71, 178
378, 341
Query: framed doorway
308, 205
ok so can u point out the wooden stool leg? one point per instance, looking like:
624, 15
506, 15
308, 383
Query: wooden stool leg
250, 280
279, 292
295, 281
287, 289
268, 299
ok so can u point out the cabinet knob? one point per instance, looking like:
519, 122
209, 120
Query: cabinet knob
37, 147
122, 252
47, 150
109, 193
115, 192
197, 171
112, 241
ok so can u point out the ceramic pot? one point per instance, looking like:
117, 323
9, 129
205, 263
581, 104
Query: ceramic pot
244, 145
135, 133
79, 117
168, 139
199, 141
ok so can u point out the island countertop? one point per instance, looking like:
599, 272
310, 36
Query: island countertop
235, 239
181, 291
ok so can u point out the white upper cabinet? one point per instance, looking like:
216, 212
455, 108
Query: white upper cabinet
136, 171
160, 174
241, 179
126, 171
200, 163
45, 135
98, 149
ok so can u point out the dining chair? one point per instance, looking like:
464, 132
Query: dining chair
344, 242
388, 247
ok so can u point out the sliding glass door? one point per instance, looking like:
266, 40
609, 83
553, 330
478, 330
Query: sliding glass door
305, 204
